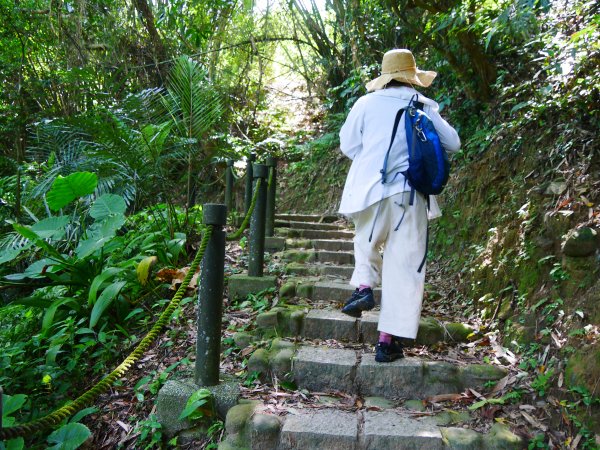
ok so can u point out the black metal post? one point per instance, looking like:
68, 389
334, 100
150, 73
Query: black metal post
249, 178
229, 185
210, 299
271, 190
256, 246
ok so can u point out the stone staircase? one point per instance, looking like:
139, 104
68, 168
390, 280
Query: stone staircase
328, 354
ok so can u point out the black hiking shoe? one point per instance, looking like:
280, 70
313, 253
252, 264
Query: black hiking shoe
360, 301
388, 352
355, 296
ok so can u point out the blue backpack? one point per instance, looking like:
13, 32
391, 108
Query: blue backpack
428, 165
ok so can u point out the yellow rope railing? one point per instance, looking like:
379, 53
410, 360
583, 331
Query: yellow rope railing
235, 236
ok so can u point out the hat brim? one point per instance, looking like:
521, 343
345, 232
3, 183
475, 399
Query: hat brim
422, 78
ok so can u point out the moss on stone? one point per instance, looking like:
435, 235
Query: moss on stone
264, 431
501, 438
298, 243
267, 321
259, 362
236, 424
458, 332
238, 416
295, 268
582, 242
450, 417
430, 332
582, 274
287, 290
296, 322
281, 362
519, 333
280, 344
462, 439
242, 339
415, 405
583, 367
299, 256
478, 374
305, 290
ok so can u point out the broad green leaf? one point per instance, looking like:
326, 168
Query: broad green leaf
97, 283
36, 302
51, 311
84, 412
106, 205
191, 409
51, 355
12, 403
35, 270
15, 444
28, 233
104, 301
89, 246
66, 189
10, 254
135, 312
143, 268
51, 228
106, 228
69, 437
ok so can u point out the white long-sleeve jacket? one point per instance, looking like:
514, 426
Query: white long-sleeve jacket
365, 138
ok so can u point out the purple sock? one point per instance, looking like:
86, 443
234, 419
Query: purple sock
385, 338
363, 287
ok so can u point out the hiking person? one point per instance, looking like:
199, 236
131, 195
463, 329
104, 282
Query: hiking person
381, 211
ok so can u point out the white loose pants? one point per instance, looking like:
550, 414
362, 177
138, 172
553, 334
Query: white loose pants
397, 271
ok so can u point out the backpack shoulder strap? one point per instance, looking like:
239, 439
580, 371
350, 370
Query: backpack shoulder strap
383, 171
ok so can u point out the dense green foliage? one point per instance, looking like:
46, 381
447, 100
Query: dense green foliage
116, 118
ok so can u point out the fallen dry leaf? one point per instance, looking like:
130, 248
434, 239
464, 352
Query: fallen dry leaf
444, 398
533, 421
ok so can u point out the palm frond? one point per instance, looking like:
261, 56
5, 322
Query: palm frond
191, 101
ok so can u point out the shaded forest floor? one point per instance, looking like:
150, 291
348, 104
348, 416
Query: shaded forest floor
521, 400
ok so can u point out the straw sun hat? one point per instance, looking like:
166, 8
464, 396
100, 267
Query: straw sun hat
399, 64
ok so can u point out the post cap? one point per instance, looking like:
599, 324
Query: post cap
260, 171
214, 214
230, 162
271, 161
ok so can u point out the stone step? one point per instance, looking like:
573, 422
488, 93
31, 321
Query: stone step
333, 324
309, 225
381, 430
321, 256
314, 234
254, 426
325, 369
327, 218
342, 272
333, 245
330, 323
278, 243
337, 292
339, 258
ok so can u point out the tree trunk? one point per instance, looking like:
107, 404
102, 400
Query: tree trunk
472, 64
160, 54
